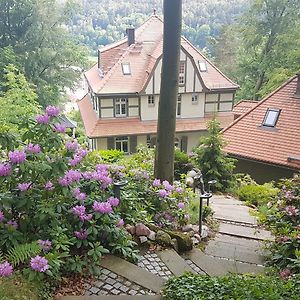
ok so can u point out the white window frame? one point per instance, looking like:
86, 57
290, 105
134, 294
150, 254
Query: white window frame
272, 122
121, 107
126, 68
194, 98
151, 100
122, 141
181, 76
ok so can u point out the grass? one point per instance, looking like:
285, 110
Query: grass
17, 288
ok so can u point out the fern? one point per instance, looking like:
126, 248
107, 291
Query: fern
1, 257
21, 253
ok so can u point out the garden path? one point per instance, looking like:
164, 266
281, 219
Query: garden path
236, 248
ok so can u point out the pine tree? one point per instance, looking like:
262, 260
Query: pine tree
212, 160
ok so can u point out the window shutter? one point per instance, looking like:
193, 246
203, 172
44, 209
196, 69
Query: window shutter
133, 143
184, 141
110, 143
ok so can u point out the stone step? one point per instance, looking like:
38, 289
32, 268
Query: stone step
133, 273
248, 254
246, 232
214, 266
175, 263
113, 297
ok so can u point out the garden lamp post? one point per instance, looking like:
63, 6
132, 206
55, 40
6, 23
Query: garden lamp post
117, 185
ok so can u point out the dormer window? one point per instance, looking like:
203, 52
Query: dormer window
126, 69
271, 117
202, 66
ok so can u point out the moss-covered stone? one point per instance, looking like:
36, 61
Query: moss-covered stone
163, 238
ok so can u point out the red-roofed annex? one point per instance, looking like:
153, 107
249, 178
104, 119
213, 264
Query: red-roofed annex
121, 106
266, 139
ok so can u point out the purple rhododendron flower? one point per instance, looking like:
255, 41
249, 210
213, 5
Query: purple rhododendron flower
5, 169
120, 223
2, 218
6, 269
24, 186
33, 148
69, 177
88, 175
285, 273
162, 193
82, 152
39, 264
78, 210
42, 119
102, 207
81, 196
292, 211
49, 186
81, 234
59, 128
17, 156
168, 186
72, 145
52, 111
85, 217
181, 205
45, 245
156, 183
113, 201
13, 224
179, 190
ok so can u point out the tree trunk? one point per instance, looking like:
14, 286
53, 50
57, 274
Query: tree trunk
164, 158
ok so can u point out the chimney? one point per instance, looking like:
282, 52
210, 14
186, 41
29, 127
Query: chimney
131, 36
297, 93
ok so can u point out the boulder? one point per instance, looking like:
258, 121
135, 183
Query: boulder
197, 236
184, 241
151, 236
143, 239
130, 229
175, 245
195, 241
204, 232
141, 229
187, 228
163, 238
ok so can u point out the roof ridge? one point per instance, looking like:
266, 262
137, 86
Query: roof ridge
259, 103
208, 60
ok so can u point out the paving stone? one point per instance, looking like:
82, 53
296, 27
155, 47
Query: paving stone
108, 287
132, 292
110, 281
243, 231
115, 292
117, 285
113, 275
98, 283
94, 290
124, 288
105, 271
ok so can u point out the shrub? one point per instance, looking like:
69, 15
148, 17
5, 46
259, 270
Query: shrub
105, 156
198, 287
257, 194
213, 162
182, 164
283, 218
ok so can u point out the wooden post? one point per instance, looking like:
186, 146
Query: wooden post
164, 156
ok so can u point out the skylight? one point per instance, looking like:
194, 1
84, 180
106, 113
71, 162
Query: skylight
271, 117
202, 66
126, 69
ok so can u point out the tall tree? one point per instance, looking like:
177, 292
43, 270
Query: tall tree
263, 29
49, 56
164, 158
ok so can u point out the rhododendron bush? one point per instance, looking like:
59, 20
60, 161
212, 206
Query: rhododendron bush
284, 220
58, 212
60, 209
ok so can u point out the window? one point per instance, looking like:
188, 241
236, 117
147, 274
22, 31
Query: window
202, 66
195, 99
122, 143
181, 79
121, 107
179, 106
271, 117
151, 100
126, 69
176, 142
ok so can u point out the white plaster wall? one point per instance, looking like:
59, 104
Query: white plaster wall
225, 106
107, 102
133, 101
107, 113
149, 112
190, 76
141, 140
226, 97
133, 112
192, 110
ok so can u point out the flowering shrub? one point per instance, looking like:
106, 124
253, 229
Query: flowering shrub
283, 218
57, 213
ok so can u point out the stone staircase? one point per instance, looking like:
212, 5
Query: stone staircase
238, 247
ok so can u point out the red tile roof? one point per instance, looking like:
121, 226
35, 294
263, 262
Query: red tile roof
247, 137
142, 57
243, 106
134, 126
